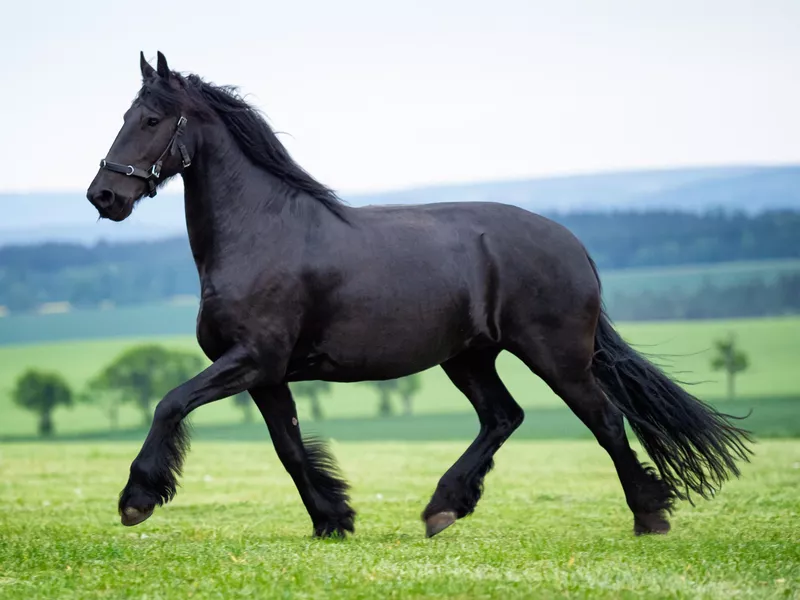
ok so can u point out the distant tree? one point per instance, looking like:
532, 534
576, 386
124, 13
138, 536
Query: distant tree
41, 392
102, 393
312, 390
385, 389
729, 358
245, 402
143, 374
408, 387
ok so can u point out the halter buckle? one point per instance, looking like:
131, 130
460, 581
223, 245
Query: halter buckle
155, 170
186, 160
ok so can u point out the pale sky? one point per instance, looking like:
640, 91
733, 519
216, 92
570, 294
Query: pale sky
377, 95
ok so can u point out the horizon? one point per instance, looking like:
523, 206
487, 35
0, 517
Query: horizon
380, 99
169, 188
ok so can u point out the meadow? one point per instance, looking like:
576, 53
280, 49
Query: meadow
692, 277
684, 348
552, 523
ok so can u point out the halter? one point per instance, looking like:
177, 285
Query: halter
154, 172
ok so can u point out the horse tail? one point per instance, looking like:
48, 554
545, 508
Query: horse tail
693, 446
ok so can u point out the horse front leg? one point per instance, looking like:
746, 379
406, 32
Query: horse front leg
153, 474
308, 462
474, 374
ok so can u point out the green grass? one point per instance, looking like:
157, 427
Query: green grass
81, 324
552, 523
691, 277
770, 418
773, 346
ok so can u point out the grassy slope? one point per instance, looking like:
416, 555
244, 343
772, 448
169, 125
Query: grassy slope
691, 277
170, 319
773, 346
552, 523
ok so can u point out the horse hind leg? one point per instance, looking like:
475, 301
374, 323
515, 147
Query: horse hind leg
564, 366
648, 497
460, 488
312, 468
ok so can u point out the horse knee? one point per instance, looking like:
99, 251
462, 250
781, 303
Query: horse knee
170, 408
514, 417
503, 421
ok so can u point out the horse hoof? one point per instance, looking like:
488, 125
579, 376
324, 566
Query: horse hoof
651, 525
662, 531
439, 522
133, 516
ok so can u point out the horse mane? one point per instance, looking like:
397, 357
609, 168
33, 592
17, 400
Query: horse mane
247, 125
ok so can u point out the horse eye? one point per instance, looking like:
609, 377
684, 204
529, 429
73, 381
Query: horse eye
152, 122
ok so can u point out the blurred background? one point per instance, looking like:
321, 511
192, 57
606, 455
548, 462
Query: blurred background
665, 136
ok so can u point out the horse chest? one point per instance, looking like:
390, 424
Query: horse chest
226, 319
219, 325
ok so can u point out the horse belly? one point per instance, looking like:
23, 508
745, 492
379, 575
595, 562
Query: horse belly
377, 350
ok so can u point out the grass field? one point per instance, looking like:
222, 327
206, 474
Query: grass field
690, 277
773, 346
552, 523
179, 319
121, 322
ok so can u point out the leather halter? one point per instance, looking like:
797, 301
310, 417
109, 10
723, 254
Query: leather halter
154, 172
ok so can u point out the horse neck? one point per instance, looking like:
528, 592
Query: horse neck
229, 202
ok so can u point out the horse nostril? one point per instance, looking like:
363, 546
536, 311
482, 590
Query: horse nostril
102, 199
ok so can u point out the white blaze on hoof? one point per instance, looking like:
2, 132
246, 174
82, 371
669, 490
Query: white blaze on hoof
133, 516
439, 522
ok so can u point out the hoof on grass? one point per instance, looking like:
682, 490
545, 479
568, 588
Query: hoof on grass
439, 522
650, 524
337, 525
332, 532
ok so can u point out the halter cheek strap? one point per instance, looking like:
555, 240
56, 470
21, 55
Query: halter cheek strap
154, 172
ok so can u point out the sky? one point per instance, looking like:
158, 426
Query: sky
376, 96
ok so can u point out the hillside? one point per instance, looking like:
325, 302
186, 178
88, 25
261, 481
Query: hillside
34, 276
31, 218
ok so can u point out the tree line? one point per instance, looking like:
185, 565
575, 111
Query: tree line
141, 375
619, 240
142, 272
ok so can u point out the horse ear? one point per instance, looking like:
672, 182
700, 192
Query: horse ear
161, 66
147, 70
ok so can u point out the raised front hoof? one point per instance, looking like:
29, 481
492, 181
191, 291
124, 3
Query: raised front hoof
136, 504
439, 522
130, 516
650, 524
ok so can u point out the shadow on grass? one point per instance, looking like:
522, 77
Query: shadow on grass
771, 418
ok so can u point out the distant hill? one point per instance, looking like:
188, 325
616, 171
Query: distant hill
38, 217
749, 189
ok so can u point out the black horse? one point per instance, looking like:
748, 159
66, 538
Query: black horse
296, 285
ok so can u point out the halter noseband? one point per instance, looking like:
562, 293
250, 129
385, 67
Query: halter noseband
154, 172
